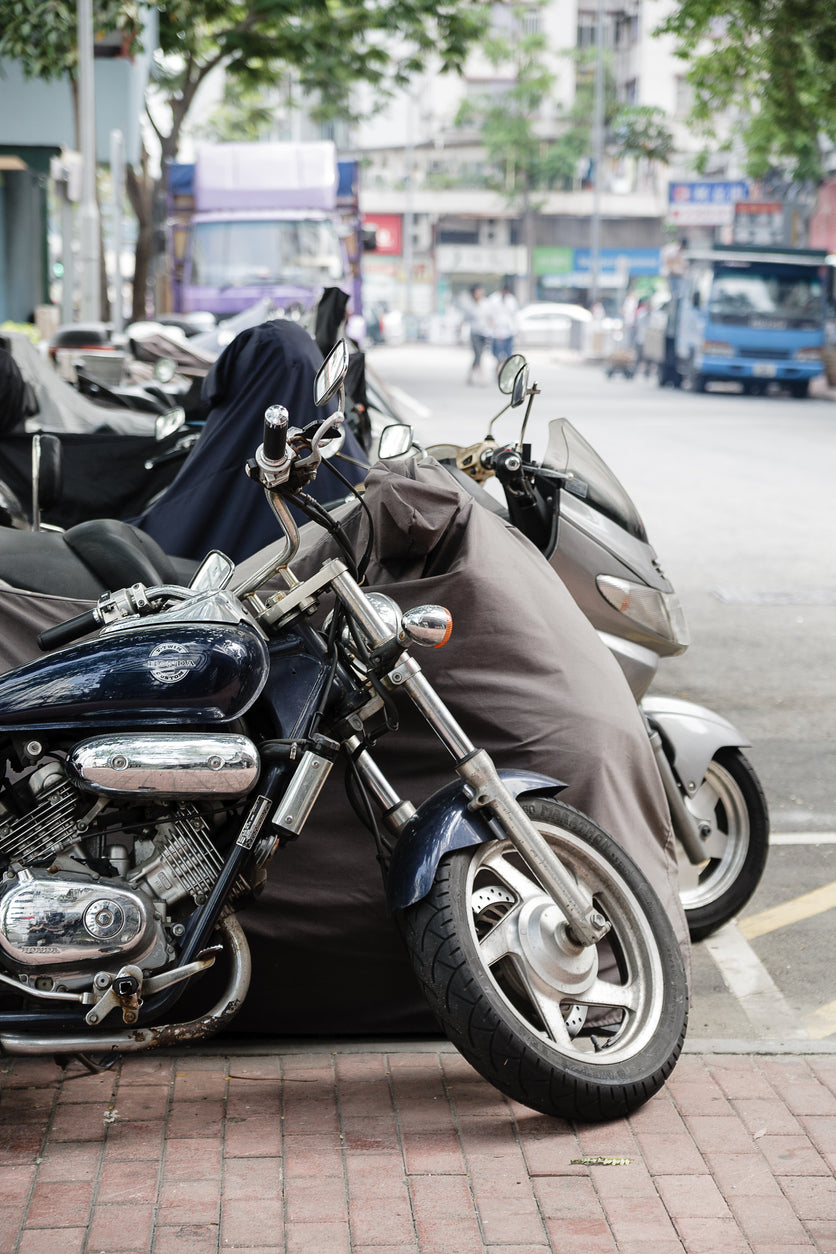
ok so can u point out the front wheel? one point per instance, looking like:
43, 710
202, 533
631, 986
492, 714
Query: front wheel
731, 804
579, 1032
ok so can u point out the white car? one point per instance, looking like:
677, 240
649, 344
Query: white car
549, 324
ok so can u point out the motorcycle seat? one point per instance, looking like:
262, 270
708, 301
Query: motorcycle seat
110, 548
91, 558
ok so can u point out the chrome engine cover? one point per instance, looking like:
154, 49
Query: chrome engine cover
49, 921
165, 764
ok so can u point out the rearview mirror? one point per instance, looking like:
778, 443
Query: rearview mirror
395, 440
165, 368
331, 373
519, 388
215, 571
508, 372
166, 424
47, 474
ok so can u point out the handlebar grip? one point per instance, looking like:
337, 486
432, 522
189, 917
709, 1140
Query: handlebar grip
65, 633
275, 433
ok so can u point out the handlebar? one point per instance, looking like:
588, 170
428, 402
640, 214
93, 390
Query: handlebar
72, 629
275, 434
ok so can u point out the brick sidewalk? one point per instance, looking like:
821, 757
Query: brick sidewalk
395, 1149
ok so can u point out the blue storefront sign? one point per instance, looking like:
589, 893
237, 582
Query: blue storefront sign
706, 203
621, 261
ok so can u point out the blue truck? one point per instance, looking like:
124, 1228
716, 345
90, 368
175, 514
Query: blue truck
754, 316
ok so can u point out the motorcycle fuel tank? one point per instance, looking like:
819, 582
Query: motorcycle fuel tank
162, 675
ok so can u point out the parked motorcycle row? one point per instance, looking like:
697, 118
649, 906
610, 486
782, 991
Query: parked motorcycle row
154, 770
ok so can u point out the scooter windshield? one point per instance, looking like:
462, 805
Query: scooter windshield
567, 450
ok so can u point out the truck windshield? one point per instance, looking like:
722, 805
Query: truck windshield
302, 253
771, 295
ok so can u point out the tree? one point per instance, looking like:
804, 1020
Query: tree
773, 63
641, 131
331, 46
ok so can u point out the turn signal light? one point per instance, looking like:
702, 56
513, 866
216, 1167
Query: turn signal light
429, 625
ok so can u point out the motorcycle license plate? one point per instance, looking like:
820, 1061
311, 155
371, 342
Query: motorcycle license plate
763, 370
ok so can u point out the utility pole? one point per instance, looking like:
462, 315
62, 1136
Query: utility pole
89, 215
117, 182
597, 156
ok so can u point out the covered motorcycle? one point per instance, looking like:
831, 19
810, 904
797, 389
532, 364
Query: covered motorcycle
153, 771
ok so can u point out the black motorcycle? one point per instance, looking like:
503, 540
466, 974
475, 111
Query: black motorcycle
152, 772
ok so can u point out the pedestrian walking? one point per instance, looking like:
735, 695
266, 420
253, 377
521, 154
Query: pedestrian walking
503, 309
477, 316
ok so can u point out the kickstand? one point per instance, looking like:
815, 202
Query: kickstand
93, 1065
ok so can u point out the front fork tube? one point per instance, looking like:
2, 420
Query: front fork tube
478, 771
476, 768
688, 830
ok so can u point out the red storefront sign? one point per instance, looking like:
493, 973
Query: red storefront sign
389, 230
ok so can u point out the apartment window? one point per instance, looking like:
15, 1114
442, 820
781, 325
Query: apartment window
586, 28
683, 96
532, 22
630, 92
626, 30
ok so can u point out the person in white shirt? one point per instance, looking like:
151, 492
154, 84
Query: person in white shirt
503, 315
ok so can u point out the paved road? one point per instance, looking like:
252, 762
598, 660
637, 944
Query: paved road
737, 496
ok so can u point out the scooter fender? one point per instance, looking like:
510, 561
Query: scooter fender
693, 733
443, 823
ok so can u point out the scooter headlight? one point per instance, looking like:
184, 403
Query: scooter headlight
659, 612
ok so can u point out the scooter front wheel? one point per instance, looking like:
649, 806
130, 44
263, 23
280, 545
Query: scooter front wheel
731, 802
578, 1032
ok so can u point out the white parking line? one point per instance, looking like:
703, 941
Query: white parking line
802, 838
748, 980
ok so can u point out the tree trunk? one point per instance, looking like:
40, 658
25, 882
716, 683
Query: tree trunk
140, 188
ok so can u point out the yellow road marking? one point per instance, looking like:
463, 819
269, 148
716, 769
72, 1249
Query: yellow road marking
822, 1022
804, 907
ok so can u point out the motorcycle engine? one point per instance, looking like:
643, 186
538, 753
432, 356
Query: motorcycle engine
92, 883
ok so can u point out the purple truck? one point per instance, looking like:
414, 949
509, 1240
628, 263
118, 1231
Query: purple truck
255, 220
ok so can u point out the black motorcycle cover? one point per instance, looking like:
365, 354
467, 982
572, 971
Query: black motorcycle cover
212, 504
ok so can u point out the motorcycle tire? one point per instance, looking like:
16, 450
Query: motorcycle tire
732, 801
584, 1033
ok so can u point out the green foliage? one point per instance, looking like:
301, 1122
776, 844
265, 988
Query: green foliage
641, 131
330, 45
42, 34
773, 62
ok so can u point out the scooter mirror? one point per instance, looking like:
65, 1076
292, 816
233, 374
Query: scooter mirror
166, 424
165, 369
395, 440
508, 372
331, 373
519, 389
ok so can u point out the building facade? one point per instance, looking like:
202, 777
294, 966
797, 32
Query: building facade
430, 187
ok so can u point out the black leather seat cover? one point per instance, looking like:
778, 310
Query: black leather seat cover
91, 558
120, 554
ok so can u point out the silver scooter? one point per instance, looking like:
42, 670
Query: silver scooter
579, 515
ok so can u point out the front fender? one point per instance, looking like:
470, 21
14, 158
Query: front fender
694, 734
444, 823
